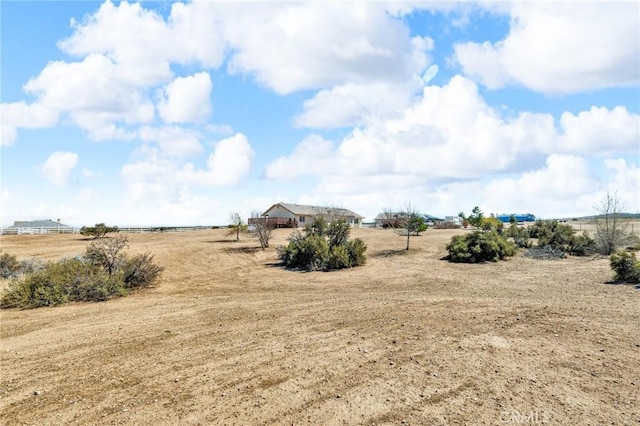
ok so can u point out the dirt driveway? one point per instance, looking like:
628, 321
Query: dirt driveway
229, 337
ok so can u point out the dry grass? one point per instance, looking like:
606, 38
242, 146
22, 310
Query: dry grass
229, 337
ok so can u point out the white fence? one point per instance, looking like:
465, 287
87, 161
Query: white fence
23, 230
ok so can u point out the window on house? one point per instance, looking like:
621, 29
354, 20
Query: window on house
301, 218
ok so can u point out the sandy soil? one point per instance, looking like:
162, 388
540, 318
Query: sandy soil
229, 337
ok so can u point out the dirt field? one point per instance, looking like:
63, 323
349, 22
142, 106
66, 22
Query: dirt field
229, 337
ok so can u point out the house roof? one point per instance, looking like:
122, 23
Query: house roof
304, 210
44, 223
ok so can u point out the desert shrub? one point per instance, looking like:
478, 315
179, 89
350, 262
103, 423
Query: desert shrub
140, 271
308, 252
626, 267
520, 235
582, 245
338, 233
9, 265
479, 246
97, 231
104, 272
338, 258
320, 249
356, 249
492, 224
559, 236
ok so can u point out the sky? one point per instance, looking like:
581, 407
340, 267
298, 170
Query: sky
180, 113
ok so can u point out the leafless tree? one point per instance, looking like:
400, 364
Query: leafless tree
410, 222
262, 228
236, 225
612, 229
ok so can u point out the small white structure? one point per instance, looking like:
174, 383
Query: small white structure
295, 215
453, 219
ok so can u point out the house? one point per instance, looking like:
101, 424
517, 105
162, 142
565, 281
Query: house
45, 226
283, 215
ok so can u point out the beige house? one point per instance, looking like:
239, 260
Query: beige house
298, 215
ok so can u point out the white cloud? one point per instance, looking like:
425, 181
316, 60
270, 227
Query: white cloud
154, 175
354, 104
291, 46
92, 92
173, 141
187, 99
313, 155
230, 162
8, 135
452, 133
560, 47
142, 44
601, 130
58, 166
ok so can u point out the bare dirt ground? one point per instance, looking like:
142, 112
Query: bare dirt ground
229, 337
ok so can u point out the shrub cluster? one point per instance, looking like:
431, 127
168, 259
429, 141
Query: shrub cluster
626, 267
479, 246
551, 233
102, 273
322, 247
446, 225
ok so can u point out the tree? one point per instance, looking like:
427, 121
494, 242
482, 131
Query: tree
262, 228
98, 231
476, 217
237, 225
411, 222
612, 230
513, 220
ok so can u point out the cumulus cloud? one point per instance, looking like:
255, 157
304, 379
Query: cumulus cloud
452, 133
58, 167
560, 47
154, 174
187, 99
289, 46
173, 141
313, 155
92, 92
600, 130
143, 44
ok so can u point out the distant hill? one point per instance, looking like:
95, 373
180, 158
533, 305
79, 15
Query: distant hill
600, 216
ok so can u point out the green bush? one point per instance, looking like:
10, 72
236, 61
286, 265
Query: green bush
626, 267
520, 235
98, 231
356, 249
324, 247
479, 246
104, 272
492, 224
551, 233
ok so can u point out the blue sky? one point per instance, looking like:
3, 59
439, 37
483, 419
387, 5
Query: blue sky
163, 113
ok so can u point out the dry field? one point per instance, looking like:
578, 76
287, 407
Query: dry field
229, 337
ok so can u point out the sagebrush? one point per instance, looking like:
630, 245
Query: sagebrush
323, 246
102, 273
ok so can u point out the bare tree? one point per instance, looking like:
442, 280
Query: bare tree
389, 218
236, 225
262, 228
410, 222
612, 230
